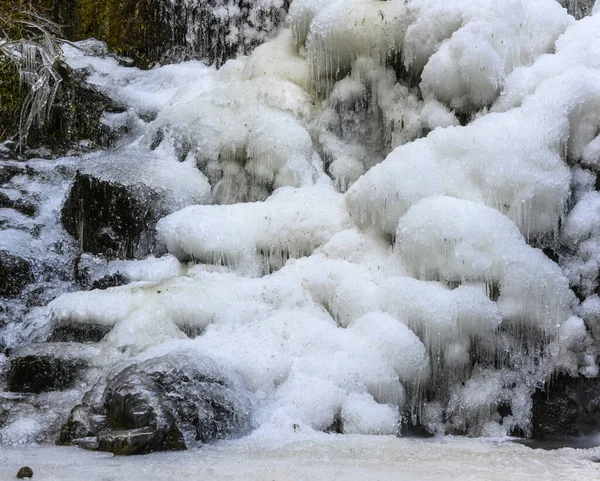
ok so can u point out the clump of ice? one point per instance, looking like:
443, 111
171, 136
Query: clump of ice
525, 178
247, 149
367, 114
460, 241
256, 237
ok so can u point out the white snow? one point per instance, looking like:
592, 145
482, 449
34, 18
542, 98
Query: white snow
352, 458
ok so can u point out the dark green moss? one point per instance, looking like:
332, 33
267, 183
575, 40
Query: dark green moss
11, 99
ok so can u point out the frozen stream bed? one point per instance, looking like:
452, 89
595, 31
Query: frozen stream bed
326, 457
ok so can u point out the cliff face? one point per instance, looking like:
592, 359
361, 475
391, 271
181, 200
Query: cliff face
151, 31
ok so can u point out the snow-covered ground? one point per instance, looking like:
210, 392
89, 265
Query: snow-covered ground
347, 458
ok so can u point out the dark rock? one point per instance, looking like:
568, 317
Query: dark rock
5, 201
567, 406
578, 8
111, 218
8, 171
25, 207
44, 373
25, 472
83, 423
138, 441
116, 200
20, 205
163, 404
15, 274
110, 280
75, 115
83, 333
158, 30
47, 367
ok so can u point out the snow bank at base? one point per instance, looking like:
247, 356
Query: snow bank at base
319, 458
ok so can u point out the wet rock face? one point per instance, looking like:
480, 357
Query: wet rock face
85, 333
163, 404
15, 273
36, 374
47, 367
567, 407
110, 218
163, 30
74, 121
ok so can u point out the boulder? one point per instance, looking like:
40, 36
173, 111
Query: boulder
25, 472
116, 199
15, 273
566, 406
111, 218
163, 404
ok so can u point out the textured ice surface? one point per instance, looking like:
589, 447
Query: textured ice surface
371, 187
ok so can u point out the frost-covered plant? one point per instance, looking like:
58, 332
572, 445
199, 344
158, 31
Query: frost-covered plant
28, 40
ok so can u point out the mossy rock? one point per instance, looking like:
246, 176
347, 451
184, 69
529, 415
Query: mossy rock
75, 119
11, 99
152, 31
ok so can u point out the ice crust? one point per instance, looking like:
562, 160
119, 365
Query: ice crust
356, 255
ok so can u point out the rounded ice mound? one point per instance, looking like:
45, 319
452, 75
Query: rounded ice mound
396, 343
468, 48
454, 240
344, 30
256, 237
461, 51
361, 414
246, 148
440, 316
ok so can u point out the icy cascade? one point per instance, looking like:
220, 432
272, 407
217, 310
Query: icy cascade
361, 260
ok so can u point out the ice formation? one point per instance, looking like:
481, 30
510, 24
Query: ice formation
356, 255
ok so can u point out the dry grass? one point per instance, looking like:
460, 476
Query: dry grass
28, 40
